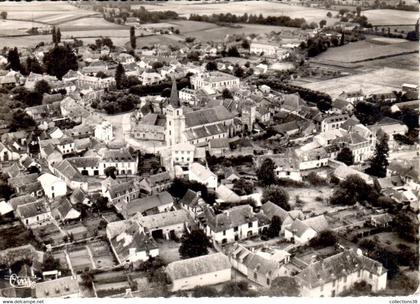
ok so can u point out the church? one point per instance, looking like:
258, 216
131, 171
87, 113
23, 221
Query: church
196, 127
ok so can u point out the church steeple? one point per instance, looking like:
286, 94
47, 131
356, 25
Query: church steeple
174, 99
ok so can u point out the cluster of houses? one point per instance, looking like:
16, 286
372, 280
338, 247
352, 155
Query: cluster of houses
73, 157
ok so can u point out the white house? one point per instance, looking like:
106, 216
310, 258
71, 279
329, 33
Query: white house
302, 232
202, 175
199, 271
34, 213
130, 243
52, 185
234, 224
7, 154
331, 276
103, 131
215, 80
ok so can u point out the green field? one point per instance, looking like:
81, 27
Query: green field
378, 81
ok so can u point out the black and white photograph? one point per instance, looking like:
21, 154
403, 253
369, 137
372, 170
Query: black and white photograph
209, 149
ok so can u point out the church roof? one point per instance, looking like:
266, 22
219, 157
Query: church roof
174, 98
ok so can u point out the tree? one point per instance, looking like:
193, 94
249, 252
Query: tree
226, 94
13, 59
133, 37
157, 65
265, 173
329, 15
322, 23
21, 121
379, 162
233, 52
243, 187
120, 76
274, 228
58, 35
194, 244
406, 226
277, 195
358, 11
42, 86
345, 156
59, 60
236, 289
32, 65
245, 44
3, 15
204, 292
87, 278
110, 172
54, 35
6, 191
50, 263
284, 287
342, 39
353, 189
211, 66
324, 239
238, 71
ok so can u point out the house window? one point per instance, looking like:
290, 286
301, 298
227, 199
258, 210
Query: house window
370, 275
235, 229
255, 275
268, 281
224, 232
249, 225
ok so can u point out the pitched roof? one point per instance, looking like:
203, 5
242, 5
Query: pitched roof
174, 98
146, 203
21, 200
57, 288
227, 195
32, 209
318, 223
158, 178
190, 198
81, 162
201, 172
197, 266
131, 238
230, 218
337, 266
253, 261
207, 116
67, 170
270, 209
165, 219
219, 143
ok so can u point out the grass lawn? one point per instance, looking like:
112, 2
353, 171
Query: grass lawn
15, 236
391, 240
314, 200
384, 80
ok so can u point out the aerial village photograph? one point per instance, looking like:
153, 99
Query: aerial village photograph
209, 149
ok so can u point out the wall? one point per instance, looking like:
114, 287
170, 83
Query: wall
202, 280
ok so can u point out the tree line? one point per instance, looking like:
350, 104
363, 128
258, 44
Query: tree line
250, 19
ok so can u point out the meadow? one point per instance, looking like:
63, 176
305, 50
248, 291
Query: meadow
367, 50
378, 81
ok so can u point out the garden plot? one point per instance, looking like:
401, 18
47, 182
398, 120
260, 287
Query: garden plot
311, 200
79, 258
101, 254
